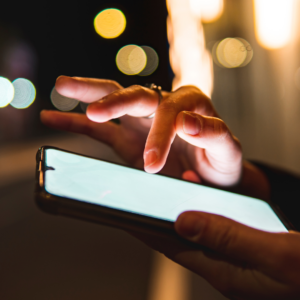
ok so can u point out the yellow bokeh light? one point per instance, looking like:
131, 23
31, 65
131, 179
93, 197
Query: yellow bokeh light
207, 10
110, 23
273, 22
232, 53
249, 52
131, 60
7, 92
24, 93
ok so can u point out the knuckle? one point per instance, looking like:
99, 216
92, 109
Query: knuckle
168, 106
137, 88
190, 88
139, 91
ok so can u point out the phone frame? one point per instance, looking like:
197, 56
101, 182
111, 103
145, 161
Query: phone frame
96, 213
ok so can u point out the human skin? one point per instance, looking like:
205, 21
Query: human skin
187, 139
170, 143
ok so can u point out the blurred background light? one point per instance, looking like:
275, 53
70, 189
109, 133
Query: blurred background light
207, 10
24, 93
61, 102
190, 60
131, 60
6, 91
231, 53
110, 23
249, 52
152, 61
273, 22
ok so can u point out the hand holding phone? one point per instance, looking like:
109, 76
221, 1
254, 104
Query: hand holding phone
231, 256
239, 261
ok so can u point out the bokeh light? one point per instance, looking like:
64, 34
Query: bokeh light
61, 102
110, 23
24, 93
273, 22
189, 59
131, 59
207, 10
232, 53
249, 52
7, 91
152, 61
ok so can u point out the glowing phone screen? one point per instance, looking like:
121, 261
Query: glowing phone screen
98, 182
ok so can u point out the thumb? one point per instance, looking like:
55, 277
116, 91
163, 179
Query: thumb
230, 239
222, 149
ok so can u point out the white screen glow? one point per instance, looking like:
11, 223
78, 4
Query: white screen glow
107, 184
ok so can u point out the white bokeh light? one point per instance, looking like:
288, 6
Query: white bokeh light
61, 102
7, 91
273, 20
24, 93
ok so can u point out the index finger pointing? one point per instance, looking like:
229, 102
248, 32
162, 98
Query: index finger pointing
85, 89
163, 130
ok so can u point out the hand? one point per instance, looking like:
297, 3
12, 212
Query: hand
206, 149
241, 262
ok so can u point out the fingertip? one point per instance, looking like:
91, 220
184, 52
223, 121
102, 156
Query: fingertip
152, 161
61, 77
92, 112
152, 169
48, 117
65, 85
44, 111
44, 115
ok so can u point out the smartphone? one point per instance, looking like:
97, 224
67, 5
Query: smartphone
100, 191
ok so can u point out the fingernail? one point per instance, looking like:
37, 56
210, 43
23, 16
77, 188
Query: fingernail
190, 225
150, 158
191, 124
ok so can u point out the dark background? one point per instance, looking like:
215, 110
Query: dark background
64, 38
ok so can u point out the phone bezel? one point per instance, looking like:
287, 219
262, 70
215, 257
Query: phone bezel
104, 215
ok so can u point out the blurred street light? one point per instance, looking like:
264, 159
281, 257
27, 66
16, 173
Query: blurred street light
273, 22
